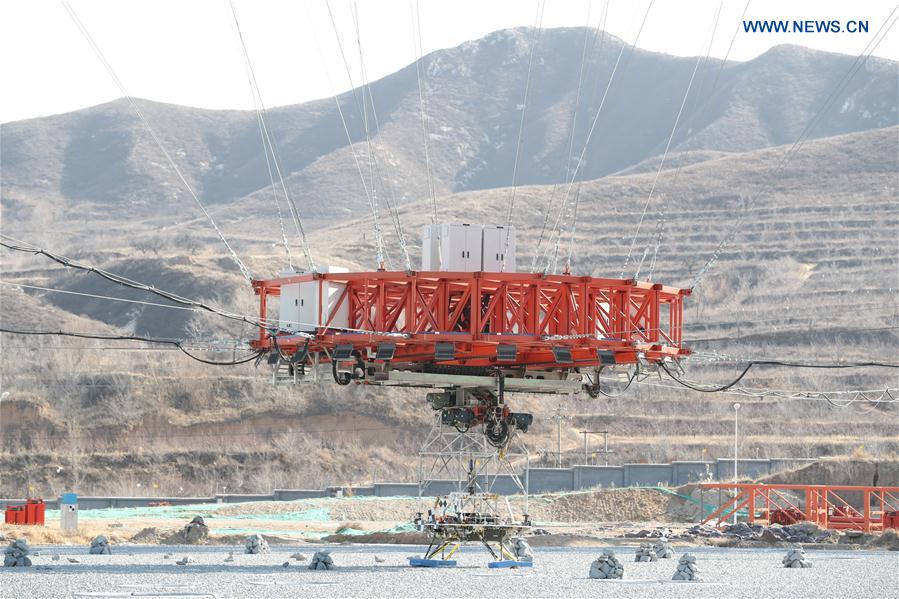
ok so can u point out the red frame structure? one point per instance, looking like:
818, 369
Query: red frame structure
876, 508
477, 311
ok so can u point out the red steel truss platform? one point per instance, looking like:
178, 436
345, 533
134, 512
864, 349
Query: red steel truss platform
541, 322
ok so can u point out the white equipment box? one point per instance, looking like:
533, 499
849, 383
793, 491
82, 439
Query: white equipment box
498, 249
307, 305
451, 248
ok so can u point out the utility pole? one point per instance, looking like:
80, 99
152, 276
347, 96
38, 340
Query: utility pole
559, 417
605, 450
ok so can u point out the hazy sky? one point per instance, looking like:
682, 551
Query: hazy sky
186, 52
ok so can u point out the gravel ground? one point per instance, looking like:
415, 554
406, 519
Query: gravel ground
557, 572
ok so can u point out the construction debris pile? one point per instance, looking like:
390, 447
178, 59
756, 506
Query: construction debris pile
803, 532
521, 549
322, 560
100, 546
606, 566
686, 569
796, 558
17, 554
645, 553
256, 544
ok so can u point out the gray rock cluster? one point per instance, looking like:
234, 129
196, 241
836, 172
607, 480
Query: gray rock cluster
686, 569
322, 560
663, 549
522, 549
606, 566
802, 532
100, 546
796, 558
256, 544
16, 554
649, 534
185, 560
645, 553
196, 531
299, 557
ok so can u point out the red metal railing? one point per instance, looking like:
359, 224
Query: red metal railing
477, 311
828, 506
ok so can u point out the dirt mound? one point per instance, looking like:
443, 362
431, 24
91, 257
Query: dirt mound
861, 471
607, 505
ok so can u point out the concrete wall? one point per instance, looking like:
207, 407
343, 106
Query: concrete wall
586, 477
541, 480
647, 475
549, 480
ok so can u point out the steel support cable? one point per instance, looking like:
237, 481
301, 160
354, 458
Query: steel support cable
172, 342
702, 108
270, 147
386, 181
857, 64
844, 80
534, 42
660, 223
372, 202
102, 58
794, 396
555, 235
418, 51
655, 179
124, 281
583, 153
572, 129
572, 126
265, 148
750, 365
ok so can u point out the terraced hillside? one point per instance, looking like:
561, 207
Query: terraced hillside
809, 271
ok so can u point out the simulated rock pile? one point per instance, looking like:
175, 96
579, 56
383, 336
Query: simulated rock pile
322, 560
645, 553
196, 532
256, 544
606, 566
663, 549
686, 569
521, 549
16, 554
796, 558
100, 546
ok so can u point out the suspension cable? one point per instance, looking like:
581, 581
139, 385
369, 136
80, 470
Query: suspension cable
102, 58
173, 342
418, 50
270, 147
535, 38
857, 64
583, 153
21, 246
677, 118
386, 181
372, 201
749, 366
565, 167
660, 221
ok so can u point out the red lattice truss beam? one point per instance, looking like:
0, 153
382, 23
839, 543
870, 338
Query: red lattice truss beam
477, 311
